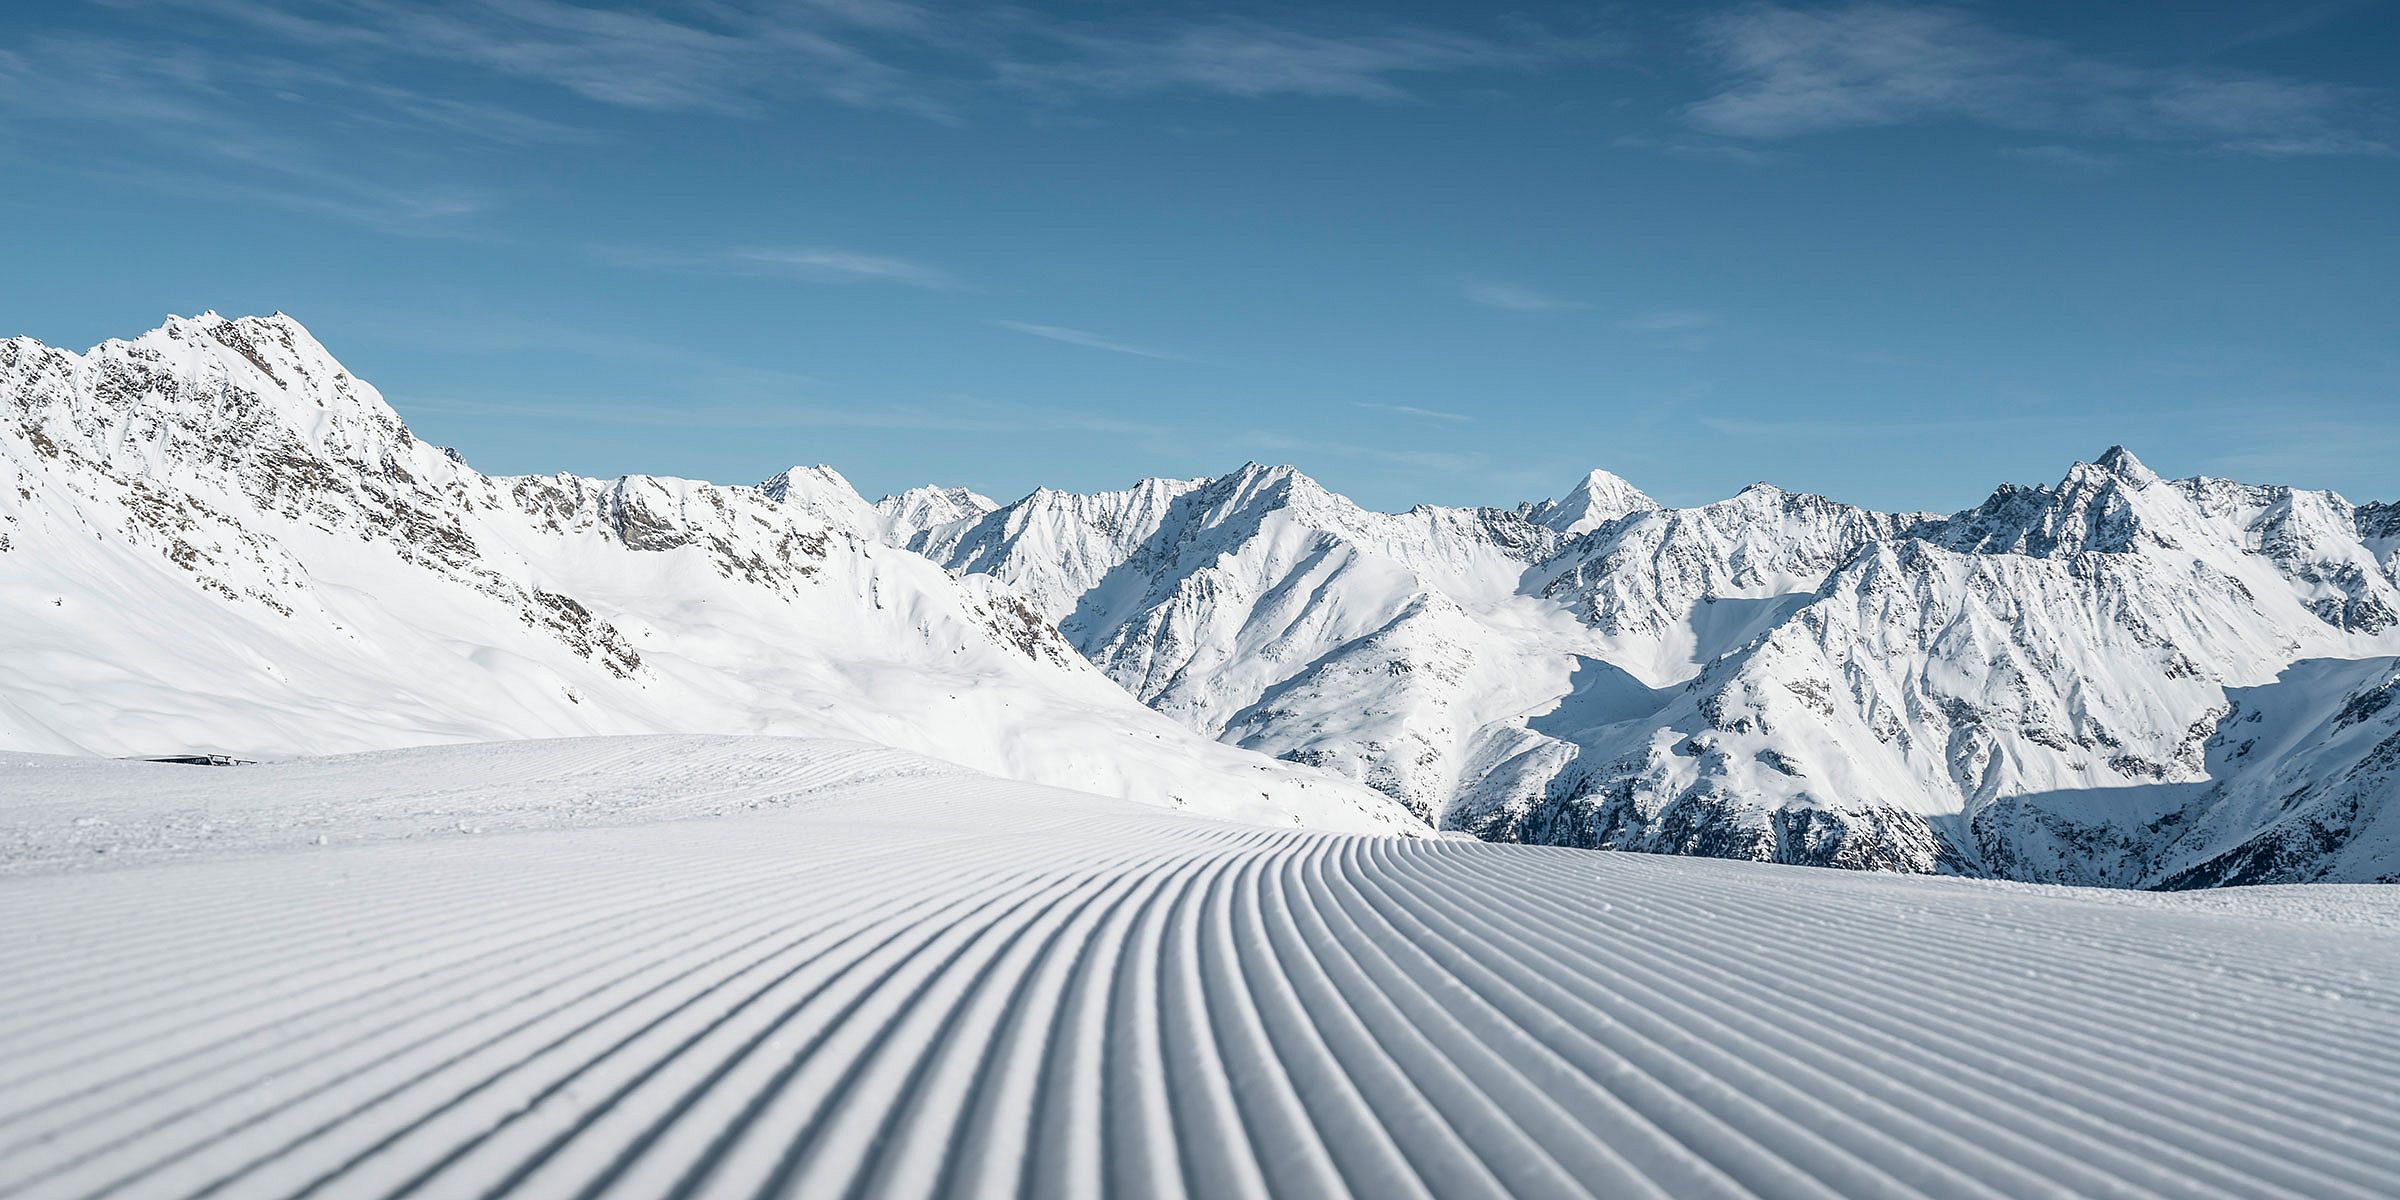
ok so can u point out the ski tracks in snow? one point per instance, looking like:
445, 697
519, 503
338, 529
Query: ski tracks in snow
960, 986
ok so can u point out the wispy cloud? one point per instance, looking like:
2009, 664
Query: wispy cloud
841, 266
809, 264
472, 329
1252, 58
1861, 430
953, 415
724, 58
2068, 157
1669, 320
1793, 71
1699, 149
1084, 338
1411, 410
1689, 330
226, 128
930, 59
189, 92
1513, 298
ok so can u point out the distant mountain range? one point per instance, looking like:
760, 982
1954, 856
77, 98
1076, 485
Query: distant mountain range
213, 539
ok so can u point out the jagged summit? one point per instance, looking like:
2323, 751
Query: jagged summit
909, 513
1281, 482
2106, 506
2120, 462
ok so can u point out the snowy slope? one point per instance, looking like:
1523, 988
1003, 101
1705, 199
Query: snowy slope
81, 812
1774, 676
1245, 605
216, 539
1999, 694
213, 538
921, 508
2379, 532
938, 984
2306, 769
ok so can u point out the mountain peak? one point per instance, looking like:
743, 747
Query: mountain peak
278, 327
1268, 473
923, 507
1599, 484
2120, 462
1281, 479
1595, 500
822, 490
805, 478
247, 387
934, 492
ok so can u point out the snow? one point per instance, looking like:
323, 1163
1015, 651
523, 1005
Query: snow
213, 538
763, 966
921, 508
1597, 500
80, 812
220, 541
2021, 690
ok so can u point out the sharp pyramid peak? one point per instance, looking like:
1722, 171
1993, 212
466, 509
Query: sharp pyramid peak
2120, 462
1597, 499
1598, 483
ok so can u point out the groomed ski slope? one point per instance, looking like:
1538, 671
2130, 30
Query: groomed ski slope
857, 973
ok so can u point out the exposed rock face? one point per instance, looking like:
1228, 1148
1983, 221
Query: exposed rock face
2303, 774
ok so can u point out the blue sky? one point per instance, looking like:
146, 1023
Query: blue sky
1440, 253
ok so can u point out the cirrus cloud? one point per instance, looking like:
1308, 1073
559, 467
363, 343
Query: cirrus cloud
1511, 297
1792, 71
1080, 337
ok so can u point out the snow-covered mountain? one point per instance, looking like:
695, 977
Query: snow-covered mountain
2041, 688
214, 538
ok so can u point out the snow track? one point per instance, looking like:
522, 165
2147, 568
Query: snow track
950, 985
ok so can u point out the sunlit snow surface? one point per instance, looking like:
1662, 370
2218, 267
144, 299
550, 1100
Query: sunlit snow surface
732, 967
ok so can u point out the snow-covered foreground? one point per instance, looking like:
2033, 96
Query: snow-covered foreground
730, 967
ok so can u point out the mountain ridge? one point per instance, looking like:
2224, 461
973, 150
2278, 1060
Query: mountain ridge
2050, 685
1710, 608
